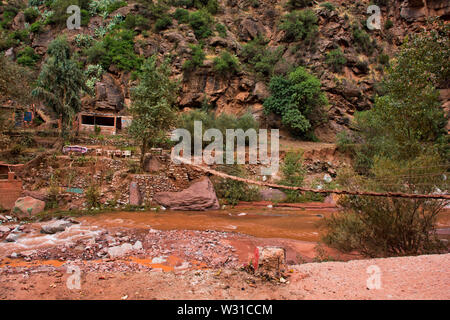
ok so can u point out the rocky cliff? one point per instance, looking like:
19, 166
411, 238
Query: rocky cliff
350, 89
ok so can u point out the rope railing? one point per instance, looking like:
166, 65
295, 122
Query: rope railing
323, 191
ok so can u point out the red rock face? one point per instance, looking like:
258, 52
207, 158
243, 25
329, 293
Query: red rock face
199, 196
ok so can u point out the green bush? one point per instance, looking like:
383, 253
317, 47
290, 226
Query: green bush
226, 64
36, 27
221, 30
299, 25
83, 40
327, 5
163, 23
93, 196
22, 35
31, 14
296, 4
181, 15
119, 50
234, 191
27, 57
197, 57
132, 21
336, 60
95, 53
363, 41
298, 99
383, 226
388, 24
262, 59
115, 5
383, 59
8, 16
200, 21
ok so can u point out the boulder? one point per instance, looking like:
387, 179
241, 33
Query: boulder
27, 207
271, 261
199, 196
119, 251
135, 194
152, 164
12, 237
272, 195
55, 226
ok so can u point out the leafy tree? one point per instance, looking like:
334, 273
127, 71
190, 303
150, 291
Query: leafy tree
153, 105
408, 120
60, 82
401, 146
14, 81
298, 99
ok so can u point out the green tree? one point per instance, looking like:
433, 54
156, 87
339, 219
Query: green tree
60, 83
408, 120
298, 99
401, 146
153, 105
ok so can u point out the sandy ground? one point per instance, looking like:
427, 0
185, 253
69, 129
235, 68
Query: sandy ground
421, 277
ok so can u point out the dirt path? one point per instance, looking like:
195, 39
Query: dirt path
422, 277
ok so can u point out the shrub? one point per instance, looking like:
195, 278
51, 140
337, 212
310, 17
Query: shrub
362, 40
383, 59
226, 64
383, 226
115, 5
200, 21
362, 65
31, 14
27, 57
221, 30
262, 59
163, 23
298, 99
95, 53
295, 4
181, 15
388, 24
336, 60
22, 35
327, 5
119, 50
299, 25
93, 196
233, 191
36, 27
293, 175
197, 57
83, 40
